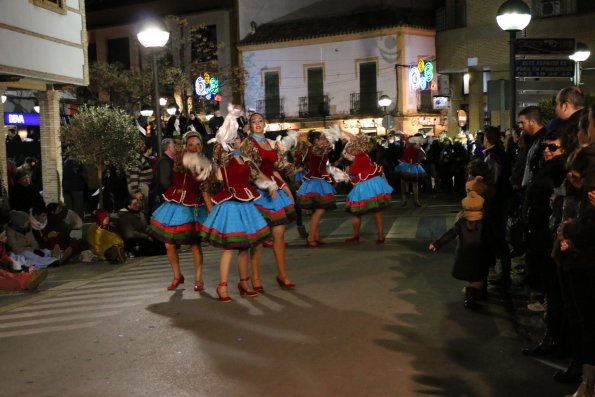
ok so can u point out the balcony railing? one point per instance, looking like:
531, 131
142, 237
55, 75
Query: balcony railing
273, 109
313, 106
364, 104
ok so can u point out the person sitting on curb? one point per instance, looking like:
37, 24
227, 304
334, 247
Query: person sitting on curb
21, 241
132, 226
104, 241
13, 275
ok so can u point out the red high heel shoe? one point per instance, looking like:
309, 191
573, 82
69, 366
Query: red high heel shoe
222, 298
311, 244
174, 284
244, 291
352, 239
380, 240
283, 283
199, 286
255, 287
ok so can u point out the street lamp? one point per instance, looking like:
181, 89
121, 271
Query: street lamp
146, 111
513, 16
385, 102
581, 54
172, 108
3, 98
152, 36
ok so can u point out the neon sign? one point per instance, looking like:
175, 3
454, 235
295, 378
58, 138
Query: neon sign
420, 77
207, 86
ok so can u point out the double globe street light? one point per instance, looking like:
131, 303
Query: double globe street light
513, 16
155, 38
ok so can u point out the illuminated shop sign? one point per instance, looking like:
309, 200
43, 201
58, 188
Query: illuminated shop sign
207, 86
11, 118
420, 77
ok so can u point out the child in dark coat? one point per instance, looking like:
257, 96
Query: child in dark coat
470, 247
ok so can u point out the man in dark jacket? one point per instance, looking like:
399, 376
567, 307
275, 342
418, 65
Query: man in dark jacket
496, 208
163, 172
132, 227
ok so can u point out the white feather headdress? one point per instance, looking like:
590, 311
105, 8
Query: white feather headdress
228, 131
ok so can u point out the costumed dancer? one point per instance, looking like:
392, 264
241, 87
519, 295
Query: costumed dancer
316, 192
469, 262
278, 210
177, 221
235, 223
296, 150
410, 169
371, 192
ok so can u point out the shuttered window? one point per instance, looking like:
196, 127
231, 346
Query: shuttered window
315, 91
367, 87
271, 95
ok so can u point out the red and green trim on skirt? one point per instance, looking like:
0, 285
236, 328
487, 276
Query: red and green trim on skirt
237, 240
314, 201
187, 233
281, 217
374, 204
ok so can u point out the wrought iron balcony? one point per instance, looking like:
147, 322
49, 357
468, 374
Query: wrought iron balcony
272, 108
364, 103
314, 106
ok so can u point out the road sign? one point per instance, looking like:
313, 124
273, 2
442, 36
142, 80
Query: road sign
544, 46
544, 68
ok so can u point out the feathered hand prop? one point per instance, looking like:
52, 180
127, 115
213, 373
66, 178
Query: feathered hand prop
229, 129
337, 174
332, 134
289, 141
199, 165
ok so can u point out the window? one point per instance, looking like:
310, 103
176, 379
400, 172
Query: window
92, 53
272, 103
118, 51
367, 87
58, 6
316, 92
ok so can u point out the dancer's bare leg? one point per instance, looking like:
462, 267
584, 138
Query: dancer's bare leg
404, 191
255, 254
379, 219
314, 234
174, 260
416, 193
279, 250
197, 259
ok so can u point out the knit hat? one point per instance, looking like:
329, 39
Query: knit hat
18, 218
100, 216
476, 185
472, 206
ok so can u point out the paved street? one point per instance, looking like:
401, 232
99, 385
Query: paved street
366, 320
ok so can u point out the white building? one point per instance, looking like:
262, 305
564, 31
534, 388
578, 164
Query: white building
44, 51
338, 67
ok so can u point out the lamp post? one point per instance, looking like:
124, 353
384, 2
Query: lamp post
513, 16
385, 102
155, 38
581, 54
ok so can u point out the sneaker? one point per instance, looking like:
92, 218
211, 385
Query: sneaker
537, 307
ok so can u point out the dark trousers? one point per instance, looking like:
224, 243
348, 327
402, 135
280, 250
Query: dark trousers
144, 247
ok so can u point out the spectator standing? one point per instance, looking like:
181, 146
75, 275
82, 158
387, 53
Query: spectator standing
24, 195
73, 185
139, 178
216, 121
497, 207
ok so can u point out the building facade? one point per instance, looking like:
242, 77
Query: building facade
472, 50
44, 52
304, 72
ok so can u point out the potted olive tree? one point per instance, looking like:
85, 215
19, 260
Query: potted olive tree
101, 136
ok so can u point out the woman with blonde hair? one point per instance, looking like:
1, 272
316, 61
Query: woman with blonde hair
178, 220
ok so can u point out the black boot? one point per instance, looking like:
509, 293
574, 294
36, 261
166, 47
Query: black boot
547, 347
471, 295
572, 374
